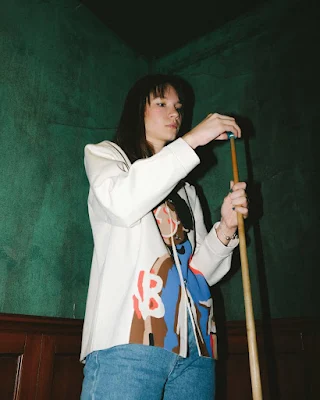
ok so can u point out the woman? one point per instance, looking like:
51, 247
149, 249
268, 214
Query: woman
149, 331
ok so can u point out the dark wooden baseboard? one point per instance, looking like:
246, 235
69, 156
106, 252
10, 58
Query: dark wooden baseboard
288, 351
39, 359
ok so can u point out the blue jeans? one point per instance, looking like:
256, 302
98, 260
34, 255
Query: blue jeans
140, 372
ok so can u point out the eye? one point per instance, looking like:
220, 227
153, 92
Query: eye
161, 104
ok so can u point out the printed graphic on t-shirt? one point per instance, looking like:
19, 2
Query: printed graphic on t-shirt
156, 300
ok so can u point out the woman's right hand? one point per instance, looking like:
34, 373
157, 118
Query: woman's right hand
213, 127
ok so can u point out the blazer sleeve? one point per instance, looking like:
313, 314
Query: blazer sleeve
212, 258
124, 195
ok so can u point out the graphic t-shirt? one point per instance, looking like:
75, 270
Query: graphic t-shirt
156, 320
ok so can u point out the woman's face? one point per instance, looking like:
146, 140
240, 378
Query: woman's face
162, 118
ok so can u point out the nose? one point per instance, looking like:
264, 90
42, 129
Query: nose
174, 113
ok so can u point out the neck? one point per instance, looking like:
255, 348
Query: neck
156, 147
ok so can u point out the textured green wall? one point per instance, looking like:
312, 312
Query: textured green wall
262, 67
63, 78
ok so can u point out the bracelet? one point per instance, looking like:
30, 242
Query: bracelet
234, 236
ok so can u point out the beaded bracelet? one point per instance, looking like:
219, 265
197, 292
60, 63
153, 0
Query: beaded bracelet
234, 236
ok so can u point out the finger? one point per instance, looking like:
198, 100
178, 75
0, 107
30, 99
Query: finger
221, 116
225, 135
240, 203
238, 194
242, 210
232, 126
239, 185
222, 136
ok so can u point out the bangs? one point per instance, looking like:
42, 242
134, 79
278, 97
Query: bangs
161, 89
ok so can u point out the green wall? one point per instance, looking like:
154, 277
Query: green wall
263, 68
63, 78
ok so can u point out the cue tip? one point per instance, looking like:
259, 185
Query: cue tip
230, 135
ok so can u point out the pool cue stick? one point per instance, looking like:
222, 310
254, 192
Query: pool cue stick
251, 331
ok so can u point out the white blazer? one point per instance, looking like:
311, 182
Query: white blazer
127, 239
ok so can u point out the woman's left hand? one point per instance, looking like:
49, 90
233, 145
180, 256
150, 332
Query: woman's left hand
235, 202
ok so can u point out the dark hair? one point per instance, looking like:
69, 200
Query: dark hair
131, 134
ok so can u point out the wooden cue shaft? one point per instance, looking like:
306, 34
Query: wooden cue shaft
251, 331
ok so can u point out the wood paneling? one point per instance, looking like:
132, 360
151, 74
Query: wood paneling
288, 350
39, 359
